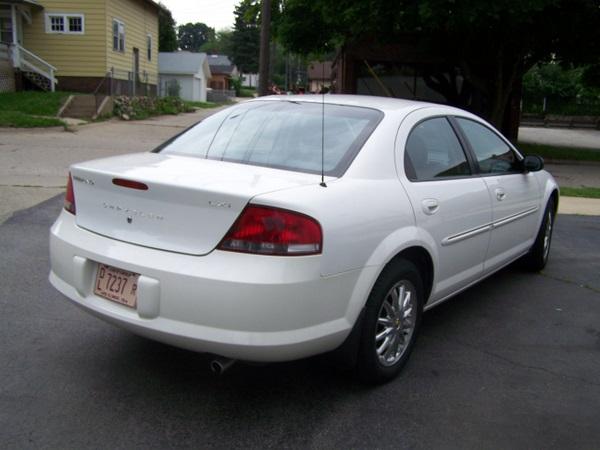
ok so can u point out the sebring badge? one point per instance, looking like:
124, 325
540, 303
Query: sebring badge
131, 213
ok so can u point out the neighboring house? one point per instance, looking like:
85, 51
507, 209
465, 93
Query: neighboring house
78, 44
190, 71
319, 76
222, 70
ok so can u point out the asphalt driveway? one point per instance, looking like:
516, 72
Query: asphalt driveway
511, 363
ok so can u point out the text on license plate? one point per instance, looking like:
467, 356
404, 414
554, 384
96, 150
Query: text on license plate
117, 285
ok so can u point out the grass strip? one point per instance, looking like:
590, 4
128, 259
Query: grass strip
563, 153
203, 105
587, 192
22, 120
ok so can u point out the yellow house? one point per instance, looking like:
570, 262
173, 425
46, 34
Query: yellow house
80, 45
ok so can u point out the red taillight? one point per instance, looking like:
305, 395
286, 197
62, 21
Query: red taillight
70, 196
130, 184
273, 231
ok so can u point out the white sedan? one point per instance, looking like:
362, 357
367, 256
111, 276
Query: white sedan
286, 227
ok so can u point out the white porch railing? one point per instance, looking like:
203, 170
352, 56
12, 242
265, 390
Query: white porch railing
30, 62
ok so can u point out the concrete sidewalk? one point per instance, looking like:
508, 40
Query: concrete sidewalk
579, 205
562, 137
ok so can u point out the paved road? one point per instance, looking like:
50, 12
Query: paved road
512, 363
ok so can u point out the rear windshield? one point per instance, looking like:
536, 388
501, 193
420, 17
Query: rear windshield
280, 134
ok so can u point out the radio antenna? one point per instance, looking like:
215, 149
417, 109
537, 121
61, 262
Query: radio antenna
322, 184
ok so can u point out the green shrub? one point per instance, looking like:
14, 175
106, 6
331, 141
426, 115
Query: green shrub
236, 84
142, 107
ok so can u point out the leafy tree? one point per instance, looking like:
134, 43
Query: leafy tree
490, 44
192, 36
553, 80
167, 39
221, 43
246, 36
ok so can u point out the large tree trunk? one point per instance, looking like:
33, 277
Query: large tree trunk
265, 37
498, 84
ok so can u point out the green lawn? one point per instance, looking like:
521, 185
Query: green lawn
247, 92
565, 153
31, 108
588, 192
21, 120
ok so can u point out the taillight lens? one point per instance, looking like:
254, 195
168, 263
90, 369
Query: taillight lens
70, 196
272, 231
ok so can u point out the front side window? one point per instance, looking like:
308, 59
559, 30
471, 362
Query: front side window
433, 151
492, 153
281, 134
118, 36
65, 23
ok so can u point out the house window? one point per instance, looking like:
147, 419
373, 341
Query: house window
149, 46
57, 23
65, 23
76, 24
6, 34
118, 36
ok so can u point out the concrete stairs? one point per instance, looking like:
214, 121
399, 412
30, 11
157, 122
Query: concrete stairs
38, 80
80, 106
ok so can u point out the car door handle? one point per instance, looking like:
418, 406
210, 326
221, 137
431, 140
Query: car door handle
500, 194
430, 206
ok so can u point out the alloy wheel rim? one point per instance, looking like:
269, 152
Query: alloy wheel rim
547, 235
395, 323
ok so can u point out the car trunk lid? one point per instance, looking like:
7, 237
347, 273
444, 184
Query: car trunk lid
189, 205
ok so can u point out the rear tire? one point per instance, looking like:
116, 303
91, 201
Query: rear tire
391, 322
537, 258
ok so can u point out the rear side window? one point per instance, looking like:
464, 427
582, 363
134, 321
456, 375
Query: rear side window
433, 151
281, 134
492, 153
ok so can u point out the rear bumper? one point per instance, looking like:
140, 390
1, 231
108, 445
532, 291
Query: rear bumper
255, 308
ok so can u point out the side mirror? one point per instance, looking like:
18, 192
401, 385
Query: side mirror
533, 163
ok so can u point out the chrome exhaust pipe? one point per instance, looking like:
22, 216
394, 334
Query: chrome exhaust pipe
219, 365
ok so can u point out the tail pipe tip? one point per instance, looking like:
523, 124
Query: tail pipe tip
220, 365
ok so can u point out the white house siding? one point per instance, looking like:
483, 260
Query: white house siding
201, 83
193, 88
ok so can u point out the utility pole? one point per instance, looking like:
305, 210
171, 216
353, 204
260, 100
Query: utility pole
263, 62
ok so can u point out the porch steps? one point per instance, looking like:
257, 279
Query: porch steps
82, 106
38, 80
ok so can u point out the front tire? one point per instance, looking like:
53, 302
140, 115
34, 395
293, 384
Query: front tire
391, 322
537, 258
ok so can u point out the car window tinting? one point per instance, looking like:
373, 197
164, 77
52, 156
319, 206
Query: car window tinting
433, 151
281, 134
492, 153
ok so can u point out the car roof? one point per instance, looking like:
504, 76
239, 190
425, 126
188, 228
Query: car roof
385, 104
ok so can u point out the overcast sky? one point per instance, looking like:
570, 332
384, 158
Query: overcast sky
217, 14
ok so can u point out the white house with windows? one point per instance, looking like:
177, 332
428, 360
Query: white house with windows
185, 74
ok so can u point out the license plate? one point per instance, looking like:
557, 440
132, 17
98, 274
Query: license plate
117, 285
